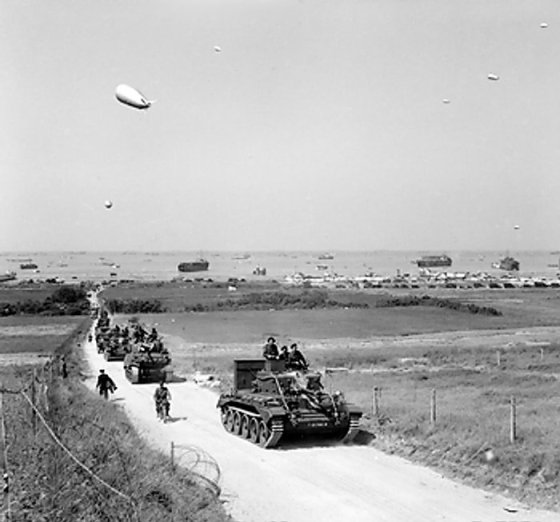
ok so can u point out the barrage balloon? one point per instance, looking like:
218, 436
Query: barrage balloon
108, 204
132, 97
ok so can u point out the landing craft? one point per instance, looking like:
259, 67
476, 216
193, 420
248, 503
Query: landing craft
131, 97
493, 77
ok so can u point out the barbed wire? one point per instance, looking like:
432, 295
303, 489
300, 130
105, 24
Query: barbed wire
72, 456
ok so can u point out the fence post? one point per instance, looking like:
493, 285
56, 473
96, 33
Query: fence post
433, 407
498, 358
34, 401
376, 401
6, 509
172, 456
513, 421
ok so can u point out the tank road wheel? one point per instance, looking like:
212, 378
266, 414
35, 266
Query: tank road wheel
223, 416
245, 420
228, 422
254, 430
264, 434
237, 423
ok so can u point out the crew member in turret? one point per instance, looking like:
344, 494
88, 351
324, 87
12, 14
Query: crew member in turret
296, 360
270, 350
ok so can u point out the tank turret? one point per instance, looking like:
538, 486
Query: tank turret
147, 362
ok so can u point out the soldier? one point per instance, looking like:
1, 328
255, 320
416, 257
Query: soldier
162, 398
105, 384
284, 355
270, 350
297, 360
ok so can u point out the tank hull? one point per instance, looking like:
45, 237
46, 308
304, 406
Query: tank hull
271, 427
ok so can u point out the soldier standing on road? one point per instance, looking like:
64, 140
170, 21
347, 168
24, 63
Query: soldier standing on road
105, 384
270, 350
162, 398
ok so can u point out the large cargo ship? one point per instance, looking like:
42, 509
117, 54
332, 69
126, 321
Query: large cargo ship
429, 261
28, 266
200, 265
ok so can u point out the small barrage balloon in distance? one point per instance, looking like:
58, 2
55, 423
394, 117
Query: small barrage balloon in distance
493, 77
217, 49
446, 100
131, 97
516, 227
544, 25
108, 204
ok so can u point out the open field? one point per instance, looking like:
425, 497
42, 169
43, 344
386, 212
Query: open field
33, 334
520, 307
407, 352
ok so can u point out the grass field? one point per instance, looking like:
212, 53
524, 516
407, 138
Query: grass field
407, 352
25, 334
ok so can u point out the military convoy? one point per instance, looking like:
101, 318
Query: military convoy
147, 363
269, 404
145, 359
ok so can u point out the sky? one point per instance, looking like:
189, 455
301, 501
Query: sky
319, 126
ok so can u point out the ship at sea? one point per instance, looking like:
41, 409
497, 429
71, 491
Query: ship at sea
8, 276
200, 265
28, 266
430, 261
324, 257
507, 263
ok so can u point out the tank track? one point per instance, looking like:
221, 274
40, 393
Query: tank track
353, 428
251, 426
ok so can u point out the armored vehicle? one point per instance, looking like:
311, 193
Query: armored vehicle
115, 350
147, 362
269, 404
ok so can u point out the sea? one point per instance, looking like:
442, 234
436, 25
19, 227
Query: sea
153, 266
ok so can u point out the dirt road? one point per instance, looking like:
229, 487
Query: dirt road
330, 483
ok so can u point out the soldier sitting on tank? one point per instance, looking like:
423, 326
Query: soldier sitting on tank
314, 383
270, 350
296, 359
284, 355
153, 337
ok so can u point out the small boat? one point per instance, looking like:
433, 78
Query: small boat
322, 267
259, 271
242, 257
8, 276
28, 266
324, 257
200, 265
429, 261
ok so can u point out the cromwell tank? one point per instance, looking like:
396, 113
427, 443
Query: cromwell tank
115, 350
269, 404
147, 362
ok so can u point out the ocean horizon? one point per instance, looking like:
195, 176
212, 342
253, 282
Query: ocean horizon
162, 265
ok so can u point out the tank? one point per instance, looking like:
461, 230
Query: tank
147, 363
115, 350
269, 404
